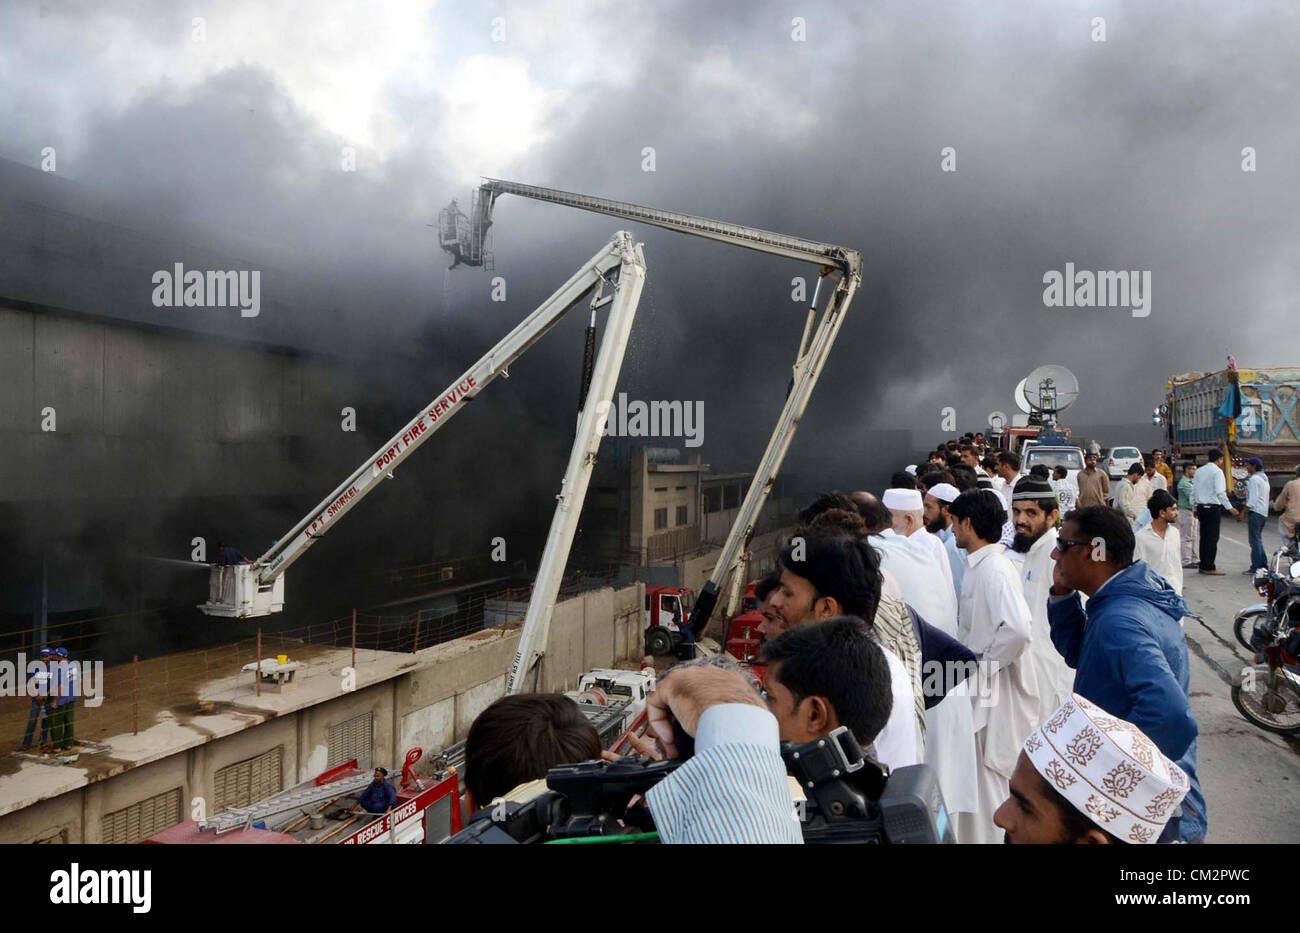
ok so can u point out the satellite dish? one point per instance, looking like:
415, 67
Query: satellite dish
1021, 402
1051, 388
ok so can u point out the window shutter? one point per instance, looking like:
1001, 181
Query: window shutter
141, 820
351, 739
246, 782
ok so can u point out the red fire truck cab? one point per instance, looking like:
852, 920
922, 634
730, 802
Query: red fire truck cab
667, 608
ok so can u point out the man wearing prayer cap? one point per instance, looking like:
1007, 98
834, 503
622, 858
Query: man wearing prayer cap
945, 492
950, 733
939, 523
907, 508
1035, 508
1088, 777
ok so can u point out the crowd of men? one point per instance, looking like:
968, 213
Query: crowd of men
1032, 655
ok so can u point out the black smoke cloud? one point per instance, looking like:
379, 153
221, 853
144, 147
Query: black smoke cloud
1123, 154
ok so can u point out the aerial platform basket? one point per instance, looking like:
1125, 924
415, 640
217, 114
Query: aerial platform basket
234, 592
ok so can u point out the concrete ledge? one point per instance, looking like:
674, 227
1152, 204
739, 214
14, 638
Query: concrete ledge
434, 693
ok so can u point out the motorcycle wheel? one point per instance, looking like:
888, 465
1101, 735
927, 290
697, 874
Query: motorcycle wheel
1244, 626
1272, 704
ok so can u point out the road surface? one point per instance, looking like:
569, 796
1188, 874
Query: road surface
1251, 778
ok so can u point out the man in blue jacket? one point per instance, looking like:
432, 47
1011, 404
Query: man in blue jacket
379, 795
1128, 650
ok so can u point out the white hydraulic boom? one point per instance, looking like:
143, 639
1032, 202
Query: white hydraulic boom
257, 588
818, 336
244, 590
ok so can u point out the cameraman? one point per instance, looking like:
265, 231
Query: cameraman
831, 571
516, 740
733, 788
826, 675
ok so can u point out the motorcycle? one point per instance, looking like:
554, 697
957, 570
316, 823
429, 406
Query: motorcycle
1274, 584
1268, 692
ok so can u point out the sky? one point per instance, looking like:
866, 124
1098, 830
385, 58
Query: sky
824, 120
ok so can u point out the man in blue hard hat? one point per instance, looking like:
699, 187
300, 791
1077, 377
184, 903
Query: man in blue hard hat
38, 688
66, 683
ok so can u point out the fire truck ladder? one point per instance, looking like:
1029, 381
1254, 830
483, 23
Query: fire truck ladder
241, 817
615, 277
765, 241
814, 348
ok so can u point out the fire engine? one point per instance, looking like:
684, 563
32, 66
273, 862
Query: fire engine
321, 812
666, 610
427, 811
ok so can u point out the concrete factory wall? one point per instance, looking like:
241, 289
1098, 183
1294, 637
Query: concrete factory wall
428, 698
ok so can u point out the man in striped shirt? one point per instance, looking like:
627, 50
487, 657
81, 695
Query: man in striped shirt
733, 789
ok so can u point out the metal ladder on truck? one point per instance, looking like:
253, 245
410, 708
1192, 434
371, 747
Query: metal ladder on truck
243, 817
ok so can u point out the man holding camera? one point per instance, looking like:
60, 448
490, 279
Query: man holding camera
826, 675
820, 676
826, 573
733, 789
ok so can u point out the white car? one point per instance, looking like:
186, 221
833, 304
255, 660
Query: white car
1118, 459
1052, 456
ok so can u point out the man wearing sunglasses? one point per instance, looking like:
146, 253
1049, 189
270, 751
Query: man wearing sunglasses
1127, 649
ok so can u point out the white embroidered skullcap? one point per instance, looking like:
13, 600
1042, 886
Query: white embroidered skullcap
944, 492
911, 468
1108, 770
904, 500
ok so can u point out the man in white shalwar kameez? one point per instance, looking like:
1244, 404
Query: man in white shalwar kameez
939, 523
907, 509
912, 573
994, 621
1034, 505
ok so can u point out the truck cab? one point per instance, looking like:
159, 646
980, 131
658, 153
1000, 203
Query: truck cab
667, 609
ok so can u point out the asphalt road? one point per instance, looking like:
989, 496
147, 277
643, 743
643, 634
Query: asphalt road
1251, 778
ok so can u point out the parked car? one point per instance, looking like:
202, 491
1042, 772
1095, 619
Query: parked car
1119, 459
1052, 456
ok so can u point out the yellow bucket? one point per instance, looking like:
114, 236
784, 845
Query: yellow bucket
282, 658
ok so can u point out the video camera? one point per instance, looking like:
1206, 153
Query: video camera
850, 799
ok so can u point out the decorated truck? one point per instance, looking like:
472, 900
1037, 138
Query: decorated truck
1198, 415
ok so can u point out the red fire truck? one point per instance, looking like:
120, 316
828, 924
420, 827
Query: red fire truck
319, 812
